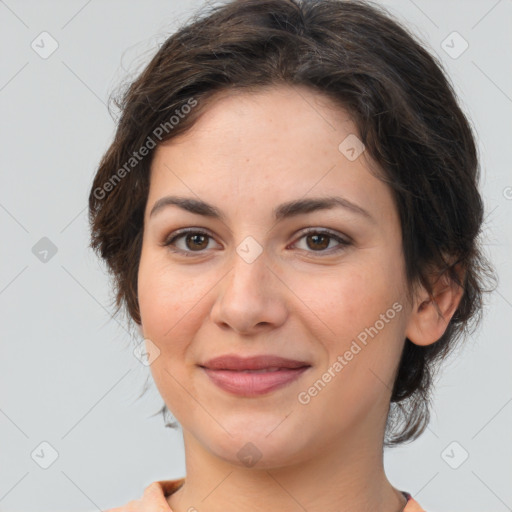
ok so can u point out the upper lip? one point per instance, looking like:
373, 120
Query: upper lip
234, 362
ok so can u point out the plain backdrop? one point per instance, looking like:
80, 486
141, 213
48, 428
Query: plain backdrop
74, 436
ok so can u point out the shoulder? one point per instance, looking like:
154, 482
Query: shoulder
413, 506
153, 499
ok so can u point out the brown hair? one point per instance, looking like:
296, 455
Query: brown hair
407, 116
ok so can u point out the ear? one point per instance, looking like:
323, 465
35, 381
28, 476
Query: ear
431, 315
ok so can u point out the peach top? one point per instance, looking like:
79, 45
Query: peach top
154, 498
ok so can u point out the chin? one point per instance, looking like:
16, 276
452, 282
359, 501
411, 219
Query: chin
250, 449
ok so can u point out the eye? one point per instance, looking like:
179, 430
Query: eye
320, 240
197, 241
194, 240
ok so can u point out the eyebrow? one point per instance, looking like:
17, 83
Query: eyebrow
285, 210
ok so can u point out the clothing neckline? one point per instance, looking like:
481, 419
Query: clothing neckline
171, 486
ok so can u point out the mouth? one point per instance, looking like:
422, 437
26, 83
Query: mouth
262, 362
253, 376
262, 370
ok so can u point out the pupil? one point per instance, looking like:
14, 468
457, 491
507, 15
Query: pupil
316, 237
195, 239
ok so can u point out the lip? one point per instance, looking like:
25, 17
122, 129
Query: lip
238, 375
253, 384
235, 362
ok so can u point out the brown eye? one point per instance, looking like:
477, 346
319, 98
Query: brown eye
188, 241
196, 241
320, 241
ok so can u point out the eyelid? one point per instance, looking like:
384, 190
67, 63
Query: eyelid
325, 231
185, 231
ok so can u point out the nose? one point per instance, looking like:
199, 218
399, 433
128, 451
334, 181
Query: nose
251, 298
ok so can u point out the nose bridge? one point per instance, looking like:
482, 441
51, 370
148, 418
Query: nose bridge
250, 269
249, 296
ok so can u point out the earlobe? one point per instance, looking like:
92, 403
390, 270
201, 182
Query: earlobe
431, 314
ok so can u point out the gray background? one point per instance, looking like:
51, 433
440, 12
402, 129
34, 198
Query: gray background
68, 374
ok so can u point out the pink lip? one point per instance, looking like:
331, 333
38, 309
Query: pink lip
230, 373
234, 362
253, 384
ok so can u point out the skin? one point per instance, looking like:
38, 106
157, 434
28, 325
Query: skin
246, 155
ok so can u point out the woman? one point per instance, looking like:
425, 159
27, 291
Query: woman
290, 213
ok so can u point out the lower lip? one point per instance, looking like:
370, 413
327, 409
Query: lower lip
253, 384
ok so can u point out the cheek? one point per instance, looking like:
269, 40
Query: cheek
349, 303
171, 312
169, 298
362, 321
352, 296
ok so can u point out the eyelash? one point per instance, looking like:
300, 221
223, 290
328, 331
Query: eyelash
343, 243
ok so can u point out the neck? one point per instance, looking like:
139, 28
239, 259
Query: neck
342, 477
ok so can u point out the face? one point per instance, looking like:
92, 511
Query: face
322, 284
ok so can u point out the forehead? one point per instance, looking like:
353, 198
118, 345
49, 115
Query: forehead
278, 143
284, 109
268, 127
